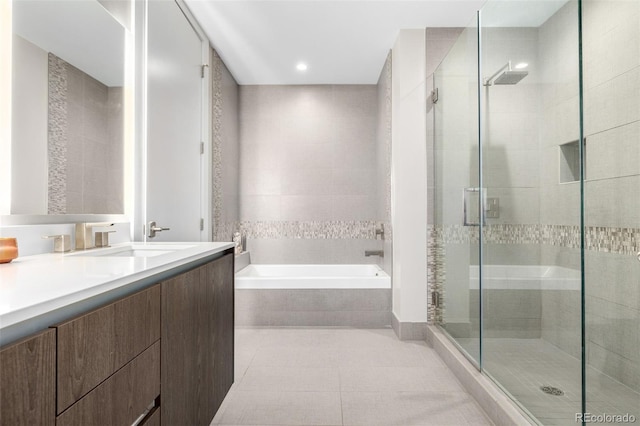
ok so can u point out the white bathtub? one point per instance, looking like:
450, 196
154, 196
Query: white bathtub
525, 277
312, 277
313, 295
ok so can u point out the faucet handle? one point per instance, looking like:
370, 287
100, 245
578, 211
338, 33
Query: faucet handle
102, 238
61, 242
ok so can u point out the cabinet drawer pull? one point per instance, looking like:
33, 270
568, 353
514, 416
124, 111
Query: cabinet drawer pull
150, 408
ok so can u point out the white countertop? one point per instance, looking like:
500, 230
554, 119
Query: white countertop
34, 287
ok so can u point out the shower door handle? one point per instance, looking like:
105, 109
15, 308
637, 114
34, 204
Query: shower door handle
466, 196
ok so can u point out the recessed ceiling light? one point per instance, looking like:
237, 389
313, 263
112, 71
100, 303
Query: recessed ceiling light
521, 65
301, 66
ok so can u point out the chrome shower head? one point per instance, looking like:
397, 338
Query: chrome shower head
506, 75
511, 77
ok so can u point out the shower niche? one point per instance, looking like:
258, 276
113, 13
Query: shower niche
570, 161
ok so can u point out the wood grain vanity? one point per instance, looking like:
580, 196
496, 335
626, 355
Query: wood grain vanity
162, 355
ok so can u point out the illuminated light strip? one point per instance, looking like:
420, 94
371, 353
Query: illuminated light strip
5, 106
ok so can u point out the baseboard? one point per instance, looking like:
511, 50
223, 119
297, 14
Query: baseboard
408, 330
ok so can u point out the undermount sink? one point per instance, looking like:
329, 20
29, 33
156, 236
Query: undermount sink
134, 250
138, 253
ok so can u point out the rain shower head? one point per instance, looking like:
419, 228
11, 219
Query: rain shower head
511, 77
506, 75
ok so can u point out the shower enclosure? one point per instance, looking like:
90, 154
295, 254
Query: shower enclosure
537, 204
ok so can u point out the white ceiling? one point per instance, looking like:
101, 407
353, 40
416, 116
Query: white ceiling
342, 41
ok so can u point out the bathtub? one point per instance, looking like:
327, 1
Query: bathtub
524, 277
518, 300
312, 276
313, 295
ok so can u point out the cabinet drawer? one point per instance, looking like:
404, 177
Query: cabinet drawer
27, 381
93, 346
122, 398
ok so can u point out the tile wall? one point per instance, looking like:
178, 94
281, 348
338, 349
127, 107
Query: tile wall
86, 143
225, 133
383, 169
611, 53
308, 168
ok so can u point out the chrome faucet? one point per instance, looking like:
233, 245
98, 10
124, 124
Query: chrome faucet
84, 234
368, 253
61, 243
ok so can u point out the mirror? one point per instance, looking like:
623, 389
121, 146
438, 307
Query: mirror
68, 109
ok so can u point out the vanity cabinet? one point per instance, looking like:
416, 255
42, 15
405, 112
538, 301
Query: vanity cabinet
121, 399
95, 345
27, 381
197, 342
163, 355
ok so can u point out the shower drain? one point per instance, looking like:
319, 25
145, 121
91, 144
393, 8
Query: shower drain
552, 390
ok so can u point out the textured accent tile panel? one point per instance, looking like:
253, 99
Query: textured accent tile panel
310, 229
602, 239
435, 275
57, 143
222, 232
613, 240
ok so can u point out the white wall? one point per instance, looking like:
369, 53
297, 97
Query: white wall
29, 128
409, 177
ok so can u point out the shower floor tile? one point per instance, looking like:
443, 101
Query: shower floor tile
324, 376
523, 366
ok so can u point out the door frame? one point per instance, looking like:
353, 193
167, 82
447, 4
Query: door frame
206, 159
206, 167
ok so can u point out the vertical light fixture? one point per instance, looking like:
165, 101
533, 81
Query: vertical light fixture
129, 120
5, 105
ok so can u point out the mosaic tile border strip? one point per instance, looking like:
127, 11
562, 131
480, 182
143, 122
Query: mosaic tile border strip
613, 240
435, 276
624, 241
220, 230
601, 239
57, 136
310, 229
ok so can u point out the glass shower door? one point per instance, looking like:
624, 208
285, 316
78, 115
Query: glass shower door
456, 254
537, 226
531, 289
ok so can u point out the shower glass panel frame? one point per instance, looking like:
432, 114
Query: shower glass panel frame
457, 192
540, 288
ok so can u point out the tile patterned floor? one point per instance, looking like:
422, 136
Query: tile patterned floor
316, 376
522, 366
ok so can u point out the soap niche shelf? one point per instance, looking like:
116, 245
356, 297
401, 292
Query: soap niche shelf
570, 161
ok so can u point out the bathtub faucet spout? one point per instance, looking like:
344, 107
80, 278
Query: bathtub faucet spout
368, 253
